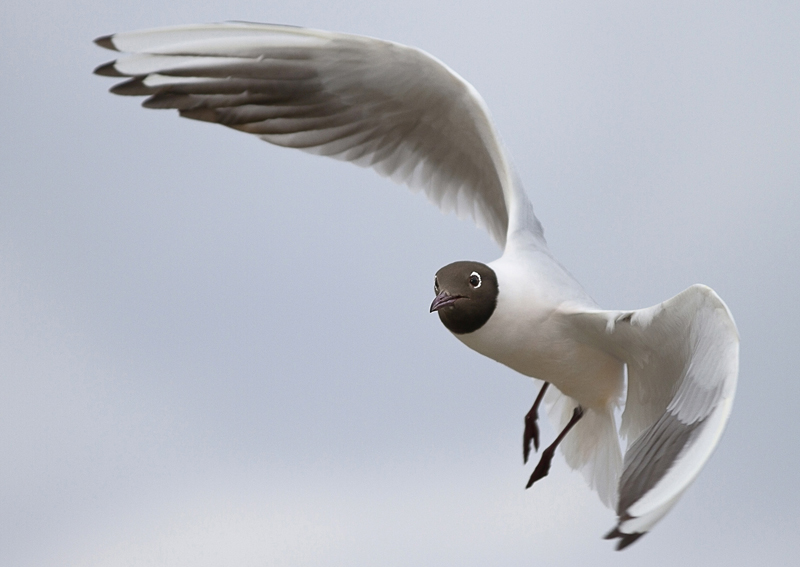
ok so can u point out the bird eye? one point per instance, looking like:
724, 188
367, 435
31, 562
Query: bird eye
475, 280
435, 285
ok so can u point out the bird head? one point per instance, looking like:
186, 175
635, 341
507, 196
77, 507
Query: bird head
466, 295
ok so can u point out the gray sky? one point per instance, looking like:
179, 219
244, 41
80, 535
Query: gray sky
217, 352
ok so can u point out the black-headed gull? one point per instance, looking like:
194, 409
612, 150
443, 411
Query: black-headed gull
410, 117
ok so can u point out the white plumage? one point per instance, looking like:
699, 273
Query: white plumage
407, 115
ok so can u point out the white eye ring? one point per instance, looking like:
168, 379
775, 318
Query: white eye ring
472, 277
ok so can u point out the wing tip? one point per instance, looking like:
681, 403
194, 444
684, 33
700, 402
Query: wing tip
624, 539
200, 114
106, 42
108, 70
132, 87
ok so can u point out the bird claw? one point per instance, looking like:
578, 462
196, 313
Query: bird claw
531, 427
542, 468
531, 434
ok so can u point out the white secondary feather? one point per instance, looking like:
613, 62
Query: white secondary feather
407, 115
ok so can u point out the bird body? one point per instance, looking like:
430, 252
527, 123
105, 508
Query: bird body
528, 332
405, 114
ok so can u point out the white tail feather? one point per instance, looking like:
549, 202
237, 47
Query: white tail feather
591, 447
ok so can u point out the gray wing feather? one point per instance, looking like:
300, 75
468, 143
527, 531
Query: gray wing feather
375, 103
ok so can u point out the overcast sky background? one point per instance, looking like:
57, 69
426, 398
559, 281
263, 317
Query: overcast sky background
217, 352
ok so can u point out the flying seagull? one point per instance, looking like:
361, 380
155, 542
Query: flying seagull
407, 115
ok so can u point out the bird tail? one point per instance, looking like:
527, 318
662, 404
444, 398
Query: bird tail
591, 447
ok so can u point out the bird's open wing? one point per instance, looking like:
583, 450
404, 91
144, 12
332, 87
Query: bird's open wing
372, 102
683, 360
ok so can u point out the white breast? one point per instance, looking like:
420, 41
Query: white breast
527, 333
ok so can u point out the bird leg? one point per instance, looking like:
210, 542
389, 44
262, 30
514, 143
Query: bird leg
543, 467
531, 428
